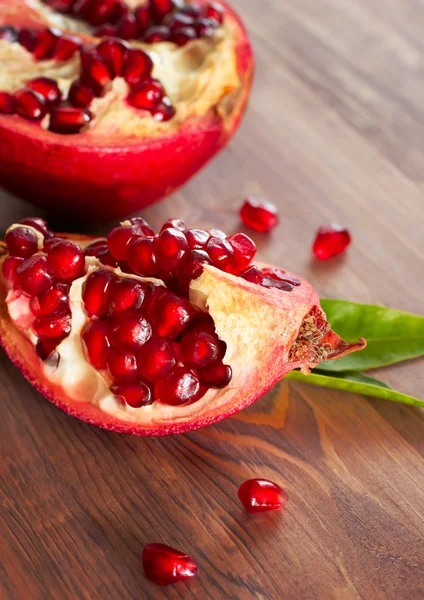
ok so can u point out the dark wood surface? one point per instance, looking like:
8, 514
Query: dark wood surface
335, 131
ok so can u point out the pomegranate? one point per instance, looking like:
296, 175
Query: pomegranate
330, 241
108, 106
157, 341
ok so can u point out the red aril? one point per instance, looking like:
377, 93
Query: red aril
141, 258
27, 37
80, 95
45, 349
179, 387
142, 16
114, 52
199, 349
7, 104
170, 315
100, 250
170, 248
221, 253
182, 35
10, 264
96, 292
66, 47
261, 495
146, 95
214, 11
196, 238
95, 72
38, 224
125, 295
216, 376
52, 327
69, 119
205, 27
160, 33
53, 303
96, 339
191, 268
164, 110
259, 214
137, 66
45, 43
173, 224
35, 275
330, 241
156, 358
130, 331
119, 240
21, 241
127, 28
122, 365
66, 260
48, 88
30, 105
100, 12
134, 393
141, 227
244, 250
164, 565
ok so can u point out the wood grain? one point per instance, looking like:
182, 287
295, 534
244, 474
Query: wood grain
335, 131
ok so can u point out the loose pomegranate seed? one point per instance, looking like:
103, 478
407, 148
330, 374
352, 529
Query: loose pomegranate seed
68, 119
164, 565
96, 292
9, 34
30, 105
205, 27
259, 214
179, 19
130, 331
141, 227
197, 238
142, 16
216, 376
10, 264
7, 104
21, 241
153, 35
125, 295
170, 315
66, 260
114, 52
147, 95
182, 35
99, 12
244, 250
221, 253
46, 347
138, 66
170, 247
179, 388
199, 349
214, 11
66, 47
253, 274
156, 358
141, 258
53, 303
38, 224
95, 336
48, 88
45, 43
173, 224
106, 31
127, 28
27, 38
260, 495
94, 71
119, 240
80, 95
134, 393
122, 366
164, 111
55, 327
330, 240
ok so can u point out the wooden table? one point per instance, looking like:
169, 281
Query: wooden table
335, 132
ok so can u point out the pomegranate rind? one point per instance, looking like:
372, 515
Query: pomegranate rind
104, 178
224, 294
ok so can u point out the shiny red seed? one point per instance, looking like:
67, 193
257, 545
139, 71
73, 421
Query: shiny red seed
120, 10
160, 33
125, 294
114, 52
130, 331
9, 34
244, 250
63, 6
118, 241
30, 105
94, 71
199, 349
100, 12
142, 16
170, 315
45, 43
80, 95
164, 111
173, 224
96, 340
261, 495
179, 387
127, 28
189, 9
259, 214
52, 327
179, 19
182, 35
170, 247
137, 67
27, 38
106, 31
66, 47
330, 240
156, 358
122, 366
141, 227
253, 274
7, 104
146, 95
221, 253
53, 303
45, 348
214, 11
81, 8
21, 241
164, 565
191, 268
216, 376
141, 258
134, 393
66, 260
281, 275
38, 224
160, 8
100, 250
10, 264
197, 238
96, 292
153, 294
69, 120
35, 275
48, 88
205, 27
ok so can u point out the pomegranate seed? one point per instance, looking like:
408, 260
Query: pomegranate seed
260, 495
94, 71
48, 88
118, 241
127, 28
253, 274
130, 331
122, 366
10, 264
66, 47
160, 8
7, 104
51, 241
179, 19
156, 358
259, 214
173, 224
45, 43
244, 250
55, 327
96, 292
68, 119
141, 227
21, 241
9, 34
138, 66
66, 260
217, 233
120, 10
178, 388
199, 349
170, 247
113, 51
330, 240
45, 348
214, 11
182, 35
80, 95
106, 31
153, 294
146, 95
53, 303
142, 16
99, 12
191, 268
125, 294
197, 238
96, 340
170, 315
38, 224
205, 27
30, 105
82, 7
134, 393
63, 6
141, 258
164, 111
160, 33
221, 253
191, 10
216, 376
281, 275
164, 565
27, 38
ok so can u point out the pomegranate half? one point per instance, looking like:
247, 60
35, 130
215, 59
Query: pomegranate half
100, 119
154, 334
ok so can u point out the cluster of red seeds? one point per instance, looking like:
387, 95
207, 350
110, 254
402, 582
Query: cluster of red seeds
155, 21
100, 64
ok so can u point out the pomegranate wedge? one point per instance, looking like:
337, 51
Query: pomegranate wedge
154, 334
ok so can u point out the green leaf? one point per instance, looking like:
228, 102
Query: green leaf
392, 335
355, 382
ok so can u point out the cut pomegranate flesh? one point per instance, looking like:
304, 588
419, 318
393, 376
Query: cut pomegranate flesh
330, 241
259, 214
261, 495
164, 565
